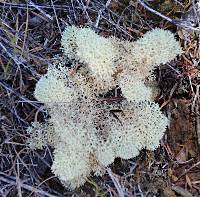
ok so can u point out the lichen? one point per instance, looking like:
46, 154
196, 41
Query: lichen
101, 107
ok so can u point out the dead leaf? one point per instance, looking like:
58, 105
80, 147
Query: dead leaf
181, 156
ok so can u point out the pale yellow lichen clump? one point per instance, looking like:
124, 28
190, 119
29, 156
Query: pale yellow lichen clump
89, 86
91, 49
68, 42
52, 88
154, 48
91, 121
41, 135
71, 162
133, 89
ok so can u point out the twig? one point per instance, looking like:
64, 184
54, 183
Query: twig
198, 127
141, 192
196, 97
98, 18
39, 9
179, 3
181, 191
154, 11
186, 171
74, 12
170, 95
100, 13
18, 181
178, 72
19, 61
21, 97
84, 8
117, 26
195, 108
9, 54
54, 10
190, 81
196, 9
27, 187
175, 22
116, 183
26, 30
34, 6
42, 183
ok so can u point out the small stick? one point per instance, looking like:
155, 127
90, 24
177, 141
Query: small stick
196, 97
186, 171
34, 6
116, 183
165, 17
26, 29
21, 97
27, 187
100, 13
39, 9
54, 10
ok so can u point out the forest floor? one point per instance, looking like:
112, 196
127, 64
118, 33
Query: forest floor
30, 36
